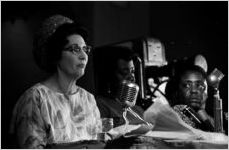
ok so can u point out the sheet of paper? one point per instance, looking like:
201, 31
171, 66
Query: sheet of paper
171, 135
164, 118
168, 125
122, 130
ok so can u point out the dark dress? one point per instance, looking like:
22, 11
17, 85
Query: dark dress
111, 108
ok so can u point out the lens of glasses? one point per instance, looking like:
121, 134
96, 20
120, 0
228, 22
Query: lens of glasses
198, 86
87, 49
76, 49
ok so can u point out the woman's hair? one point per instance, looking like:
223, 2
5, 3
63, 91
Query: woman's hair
117, 53
48, 54
172, 87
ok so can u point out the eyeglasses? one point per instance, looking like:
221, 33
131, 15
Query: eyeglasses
75, 49
198, 85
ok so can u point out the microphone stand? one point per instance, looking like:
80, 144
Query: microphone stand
125, 116
135, 114
218, 112
213, 80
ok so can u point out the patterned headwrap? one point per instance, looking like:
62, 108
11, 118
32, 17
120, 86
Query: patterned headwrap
47, 29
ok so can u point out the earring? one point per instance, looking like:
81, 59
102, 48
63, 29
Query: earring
108, 89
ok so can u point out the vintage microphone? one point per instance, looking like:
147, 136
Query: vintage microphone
127, 96
188, 112
213, 80
199, 118
128, 93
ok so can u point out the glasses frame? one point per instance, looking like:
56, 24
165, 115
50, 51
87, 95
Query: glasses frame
198, 85
76, 49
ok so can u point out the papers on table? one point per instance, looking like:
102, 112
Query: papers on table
171, 135
166, 124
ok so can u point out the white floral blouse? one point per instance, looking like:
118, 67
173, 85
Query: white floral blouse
42, 116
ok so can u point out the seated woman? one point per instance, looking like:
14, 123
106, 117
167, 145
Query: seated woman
118, 66
187, 94
57, 110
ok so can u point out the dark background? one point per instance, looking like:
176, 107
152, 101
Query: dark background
185, 28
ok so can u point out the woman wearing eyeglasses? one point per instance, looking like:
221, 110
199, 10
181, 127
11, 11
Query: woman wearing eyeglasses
57, 111
187, 93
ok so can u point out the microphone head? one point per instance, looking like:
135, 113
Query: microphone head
215, 77
128, 93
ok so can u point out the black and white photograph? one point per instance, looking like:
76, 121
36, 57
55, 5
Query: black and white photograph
114, 74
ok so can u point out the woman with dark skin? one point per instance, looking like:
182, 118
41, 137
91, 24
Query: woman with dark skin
119, 67
189, 88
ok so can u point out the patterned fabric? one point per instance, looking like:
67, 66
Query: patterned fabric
190, 121
46, 30
183, 116
48, 27
43, 117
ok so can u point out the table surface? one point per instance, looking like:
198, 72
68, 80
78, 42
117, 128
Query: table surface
141, 142
144, 142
